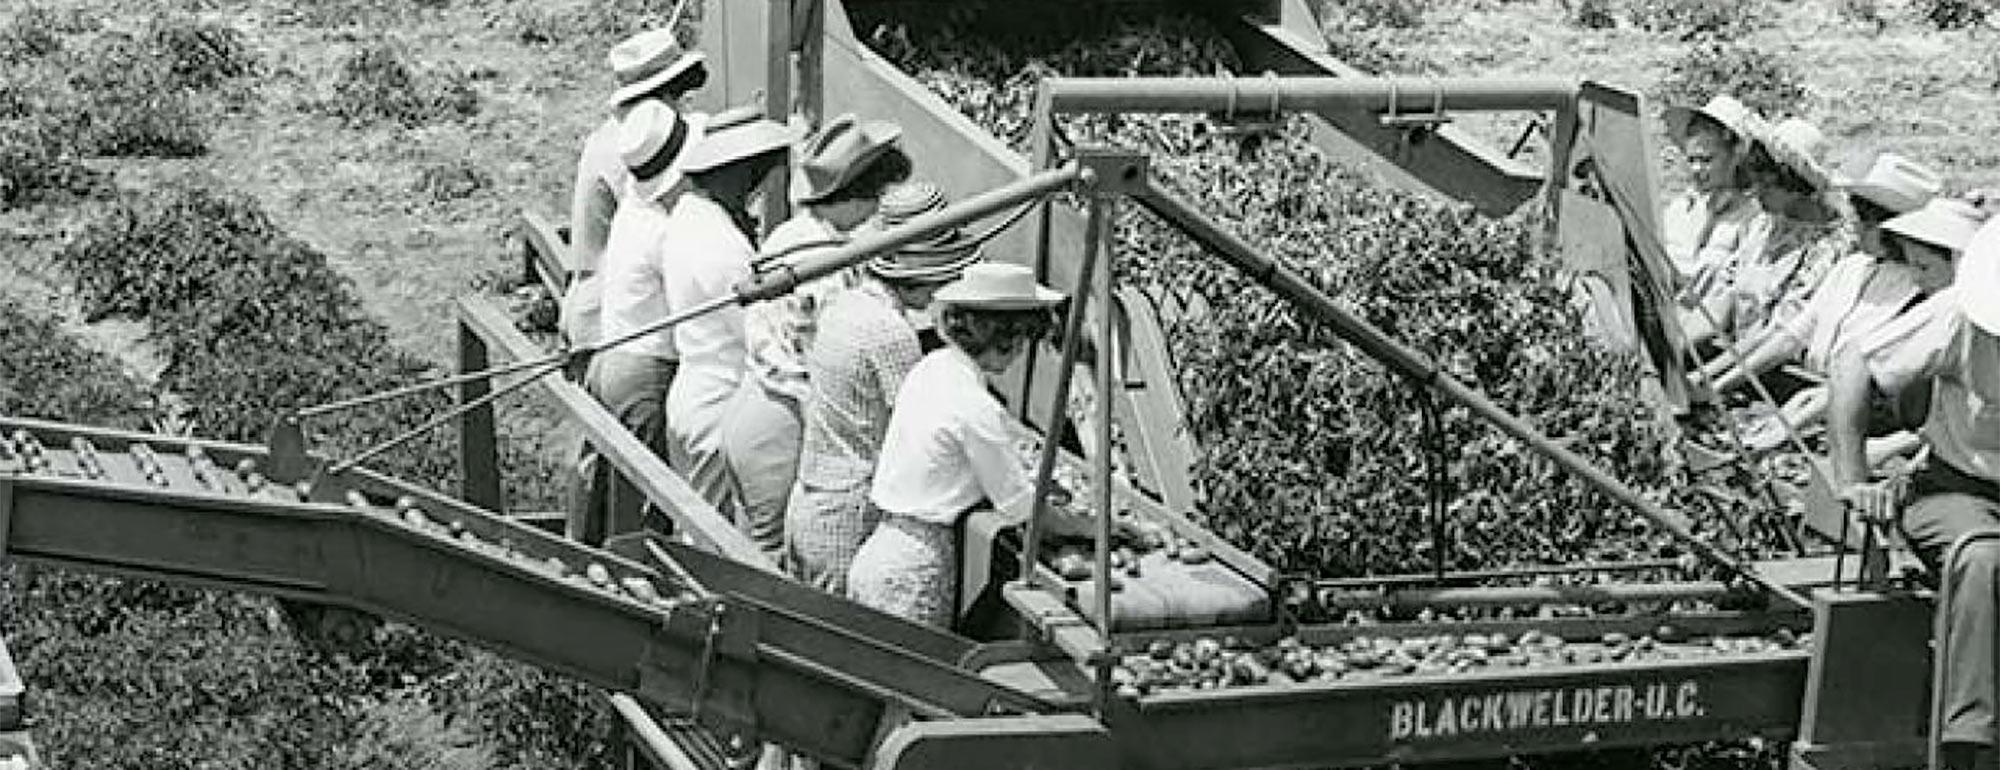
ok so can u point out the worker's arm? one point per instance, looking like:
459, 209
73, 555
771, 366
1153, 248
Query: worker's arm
1910, 349
1707, 318
1774, 348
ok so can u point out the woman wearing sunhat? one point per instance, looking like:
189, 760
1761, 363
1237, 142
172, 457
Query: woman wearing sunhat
950, 446
1860, 294
1952, 343
651, 66
707, 251
865, 347
847, 165
1704, 225
1770, 277
632, 379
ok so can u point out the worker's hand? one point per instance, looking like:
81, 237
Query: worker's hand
1873, 501
1060, 523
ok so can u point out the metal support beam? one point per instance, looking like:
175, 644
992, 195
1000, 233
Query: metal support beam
1377, 95
1412, 363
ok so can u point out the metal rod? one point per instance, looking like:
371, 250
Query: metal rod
1503, 573
1106, 361
659, 748
1502, 596
421, 387
780, 281
440, 420
1045, 465
1414, 364
1385, 95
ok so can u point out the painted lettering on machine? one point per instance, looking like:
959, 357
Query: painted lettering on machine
1448, 716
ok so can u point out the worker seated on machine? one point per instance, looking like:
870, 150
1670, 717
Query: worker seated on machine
1904, 258
1951, 341
1764, 284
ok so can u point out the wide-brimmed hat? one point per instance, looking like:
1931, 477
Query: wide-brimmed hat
1724, 109
653, 140
736, 135
1978, 281
644, 62
1797, 144
998, 286
841, 150
941, 257
1893, 182
1946, 223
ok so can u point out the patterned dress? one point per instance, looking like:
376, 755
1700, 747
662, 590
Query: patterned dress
1777, 271
862, 352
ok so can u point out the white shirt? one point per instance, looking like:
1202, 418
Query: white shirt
1858, 296
1701, 241
706, 257
1934, 340
949, 445
630, 281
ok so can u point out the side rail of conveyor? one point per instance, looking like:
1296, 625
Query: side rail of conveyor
745, 652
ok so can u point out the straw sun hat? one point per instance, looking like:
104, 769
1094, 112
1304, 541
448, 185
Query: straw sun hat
942, 258
841, 150
1724, 109
1798, 145
736, 135
998, 286
1893, 182
644, 62
653, 141
1978, 282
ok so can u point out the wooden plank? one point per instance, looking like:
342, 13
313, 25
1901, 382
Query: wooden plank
692, 515
1156, 432
545, 255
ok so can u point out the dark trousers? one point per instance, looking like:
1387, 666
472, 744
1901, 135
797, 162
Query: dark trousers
1946, 504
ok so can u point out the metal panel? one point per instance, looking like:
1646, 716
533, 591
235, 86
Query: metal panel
733, 34
1449, 163
544, 253
1468, 716
478, 443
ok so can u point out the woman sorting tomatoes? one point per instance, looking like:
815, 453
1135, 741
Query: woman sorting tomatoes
950, 446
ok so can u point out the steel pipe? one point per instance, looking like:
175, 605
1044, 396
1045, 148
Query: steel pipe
1500, 573
1404, 95
1412, 363
782, 280
1516, 596
658, 747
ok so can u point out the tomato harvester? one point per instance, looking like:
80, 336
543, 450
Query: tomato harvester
699, 635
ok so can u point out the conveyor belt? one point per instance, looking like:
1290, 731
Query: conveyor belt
756, 654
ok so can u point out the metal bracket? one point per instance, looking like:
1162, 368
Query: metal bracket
1425, 121
1114, 171
702, 664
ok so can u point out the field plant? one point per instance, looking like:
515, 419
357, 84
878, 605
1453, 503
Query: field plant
1764, 81
39, 164
1698, 19
256, 322
199, 55
1864, 12
1591, 14
1313, 456
376, 84
594, 22
48, 374
1393, 14
451, 180
1954, 14
30, 34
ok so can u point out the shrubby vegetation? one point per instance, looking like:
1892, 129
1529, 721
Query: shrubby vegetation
1765, 81
376, 84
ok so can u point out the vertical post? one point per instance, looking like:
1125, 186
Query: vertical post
1073, 329
778, 105
1041, 155
478, 444
1106, 362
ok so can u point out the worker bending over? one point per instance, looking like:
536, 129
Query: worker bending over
950, 447
1767, 280
865, 347
708, 249
1952, 342
1702, 227
1859, 294
632, 379
845, 168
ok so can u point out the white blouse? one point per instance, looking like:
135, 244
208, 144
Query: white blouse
949, 445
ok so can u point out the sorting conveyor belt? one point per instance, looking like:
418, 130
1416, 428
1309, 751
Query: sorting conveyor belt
738, 648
